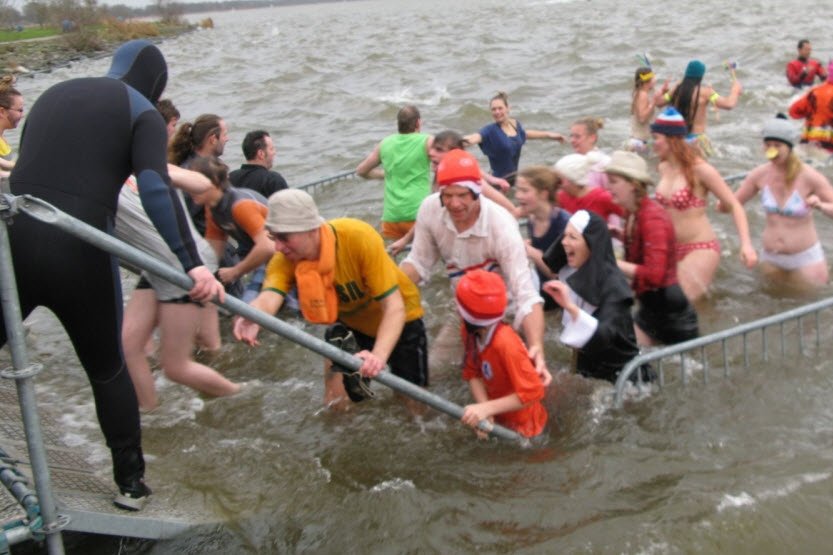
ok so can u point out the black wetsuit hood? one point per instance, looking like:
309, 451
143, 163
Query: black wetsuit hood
140, 64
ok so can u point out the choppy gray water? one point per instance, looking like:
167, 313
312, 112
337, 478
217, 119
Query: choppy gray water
743, 465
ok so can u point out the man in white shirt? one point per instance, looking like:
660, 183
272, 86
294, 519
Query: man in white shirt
470, 232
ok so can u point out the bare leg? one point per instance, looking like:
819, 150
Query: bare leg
446, 350
208, 333
335, 396
642, 338
137, 327
178, 325
696, 272
814, 274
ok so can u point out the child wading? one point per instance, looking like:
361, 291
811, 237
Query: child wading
501, 377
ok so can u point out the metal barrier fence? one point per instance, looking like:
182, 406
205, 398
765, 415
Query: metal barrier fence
313, 185
722, 338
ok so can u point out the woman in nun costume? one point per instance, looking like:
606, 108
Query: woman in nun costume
595, 296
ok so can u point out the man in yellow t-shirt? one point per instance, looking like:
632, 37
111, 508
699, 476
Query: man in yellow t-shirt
344, 277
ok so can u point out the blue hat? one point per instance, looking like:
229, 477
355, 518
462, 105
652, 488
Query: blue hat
695, 69
670, 122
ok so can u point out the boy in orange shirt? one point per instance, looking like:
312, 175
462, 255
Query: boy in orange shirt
501, 377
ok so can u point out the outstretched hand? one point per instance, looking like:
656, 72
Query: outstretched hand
246, 331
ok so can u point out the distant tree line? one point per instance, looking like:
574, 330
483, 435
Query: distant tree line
81, 12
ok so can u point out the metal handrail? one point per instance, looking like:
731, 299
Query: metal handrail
23, 374
45, 212
327, 180
721, 337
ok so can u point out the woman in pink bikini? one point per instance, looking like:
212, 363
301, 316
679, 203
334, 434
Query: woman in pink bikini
685, 180
789, 191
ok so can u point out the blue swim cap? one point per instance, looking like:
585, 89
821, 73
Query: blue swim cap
695, 69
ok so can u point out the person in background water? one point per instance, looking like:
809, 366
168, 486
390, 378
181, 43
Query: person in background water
691, 99
576, 194
535, 191
595, 297
789, 191
816, 108
650, 263
502, 380
443, 143
80, 172
584, 134
170, 114
11, 112
502, 140
802, 71
256, 174
346, 280
207, 136
407, 172
685, 180
643, 107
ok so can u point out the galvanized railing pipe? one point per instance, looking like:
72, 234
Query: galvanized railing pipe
706, 340
45, 212
327, 180
23, 374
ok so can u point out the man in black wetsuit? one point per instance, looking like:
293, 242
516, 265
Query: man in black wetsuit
82, 139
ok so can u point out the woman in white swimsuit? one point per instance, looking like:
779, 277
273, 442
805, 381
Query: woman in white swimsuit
789, 191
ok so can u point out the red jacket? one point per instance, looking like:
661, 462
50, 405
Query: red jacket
596, 200
651, 245
804, 72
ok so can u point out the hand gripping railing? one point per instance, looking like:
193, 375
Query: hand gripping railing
47, 213
721, 337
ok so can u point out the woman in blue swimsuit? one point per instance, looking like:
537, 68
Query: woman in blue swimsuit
502, 140
789, 191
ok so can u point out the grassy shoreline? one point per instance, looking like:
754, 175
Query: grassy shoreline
48, 53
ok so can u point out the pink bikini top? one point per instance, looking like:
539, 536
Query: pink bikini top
682, 199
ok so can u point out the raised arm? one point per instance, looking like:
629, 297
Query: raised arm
473, 139
552, 135
728, 102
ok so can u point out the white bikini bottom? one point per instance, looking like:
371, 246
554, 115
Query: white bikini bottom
794, 261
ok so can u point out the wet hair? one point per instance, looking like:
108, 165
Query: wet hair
686, 98
168, 110
802, 42
191, 136
7, 91
407, 118
212, 168
254, 141
637, 84
449, 140
686, 156
502, 96
591, 123
794, 165
542, 178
